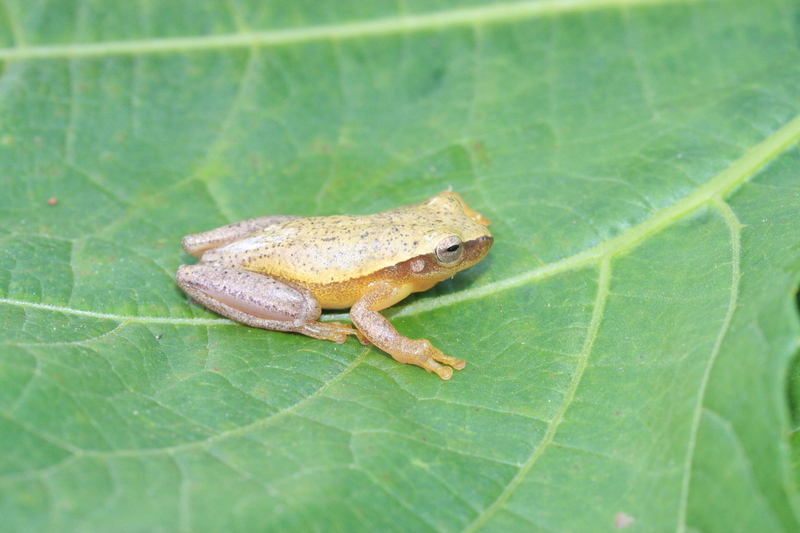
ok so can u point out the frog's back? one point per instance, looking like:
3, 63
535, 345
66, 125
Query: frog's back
333, 249
337, 258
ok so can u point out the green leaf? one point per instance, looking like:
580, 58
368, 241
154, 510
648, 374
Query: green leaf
628, 340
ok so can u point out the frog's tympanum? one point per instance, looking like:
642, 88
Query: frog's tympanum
279, 272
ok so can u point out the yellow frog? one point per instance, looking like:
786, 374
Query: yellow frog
279, 272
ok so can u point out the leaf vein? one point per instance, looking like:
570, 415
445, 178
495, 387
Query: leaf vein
464, 17
735, 230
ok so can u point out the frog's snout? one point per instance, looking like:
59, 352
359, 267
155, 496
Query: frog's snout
478, 248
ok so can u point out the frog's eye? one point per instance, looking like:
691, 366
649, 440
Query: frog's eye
449, 250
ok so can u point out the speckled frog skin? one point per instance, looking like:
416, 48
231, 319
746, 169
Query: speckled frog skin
279, 272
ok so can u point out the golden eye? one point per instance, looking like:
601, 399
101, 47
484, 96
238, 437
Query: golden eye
449, 250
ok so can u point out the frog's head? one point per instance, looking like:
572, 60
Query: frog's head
458, 237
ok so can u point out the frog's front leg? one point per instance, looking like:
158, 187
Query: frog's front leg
375, 328
198, 243
259, 301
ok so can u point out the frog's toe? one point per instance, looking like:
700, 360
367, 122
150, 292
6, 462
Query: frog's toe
342, 330
362, 338
458, 364
329, 331
444, 372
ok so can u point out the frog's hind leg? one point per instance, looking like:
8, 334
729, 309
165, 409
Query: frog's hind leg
198, 243
259, 301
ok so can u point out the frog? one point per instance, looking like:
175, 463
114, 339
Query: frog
279, 272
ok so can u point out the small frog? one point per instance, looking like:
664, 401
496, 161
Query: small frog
279, 272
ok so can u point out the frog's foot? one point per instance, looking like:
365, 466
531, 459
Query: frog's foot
328, 331
422, 353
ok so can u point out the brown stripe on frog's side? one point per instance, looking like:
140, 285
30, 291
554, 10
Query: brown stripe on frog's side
416, 274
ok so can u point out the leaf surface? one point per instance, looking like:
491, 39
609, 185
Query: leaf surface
628, 340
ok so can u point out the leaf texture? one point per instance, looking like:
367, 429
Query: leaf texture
630, 339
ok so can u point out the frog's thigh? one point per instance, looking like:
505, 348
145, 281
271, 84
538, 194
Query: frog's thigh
372, 325
198, 243
259, 301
